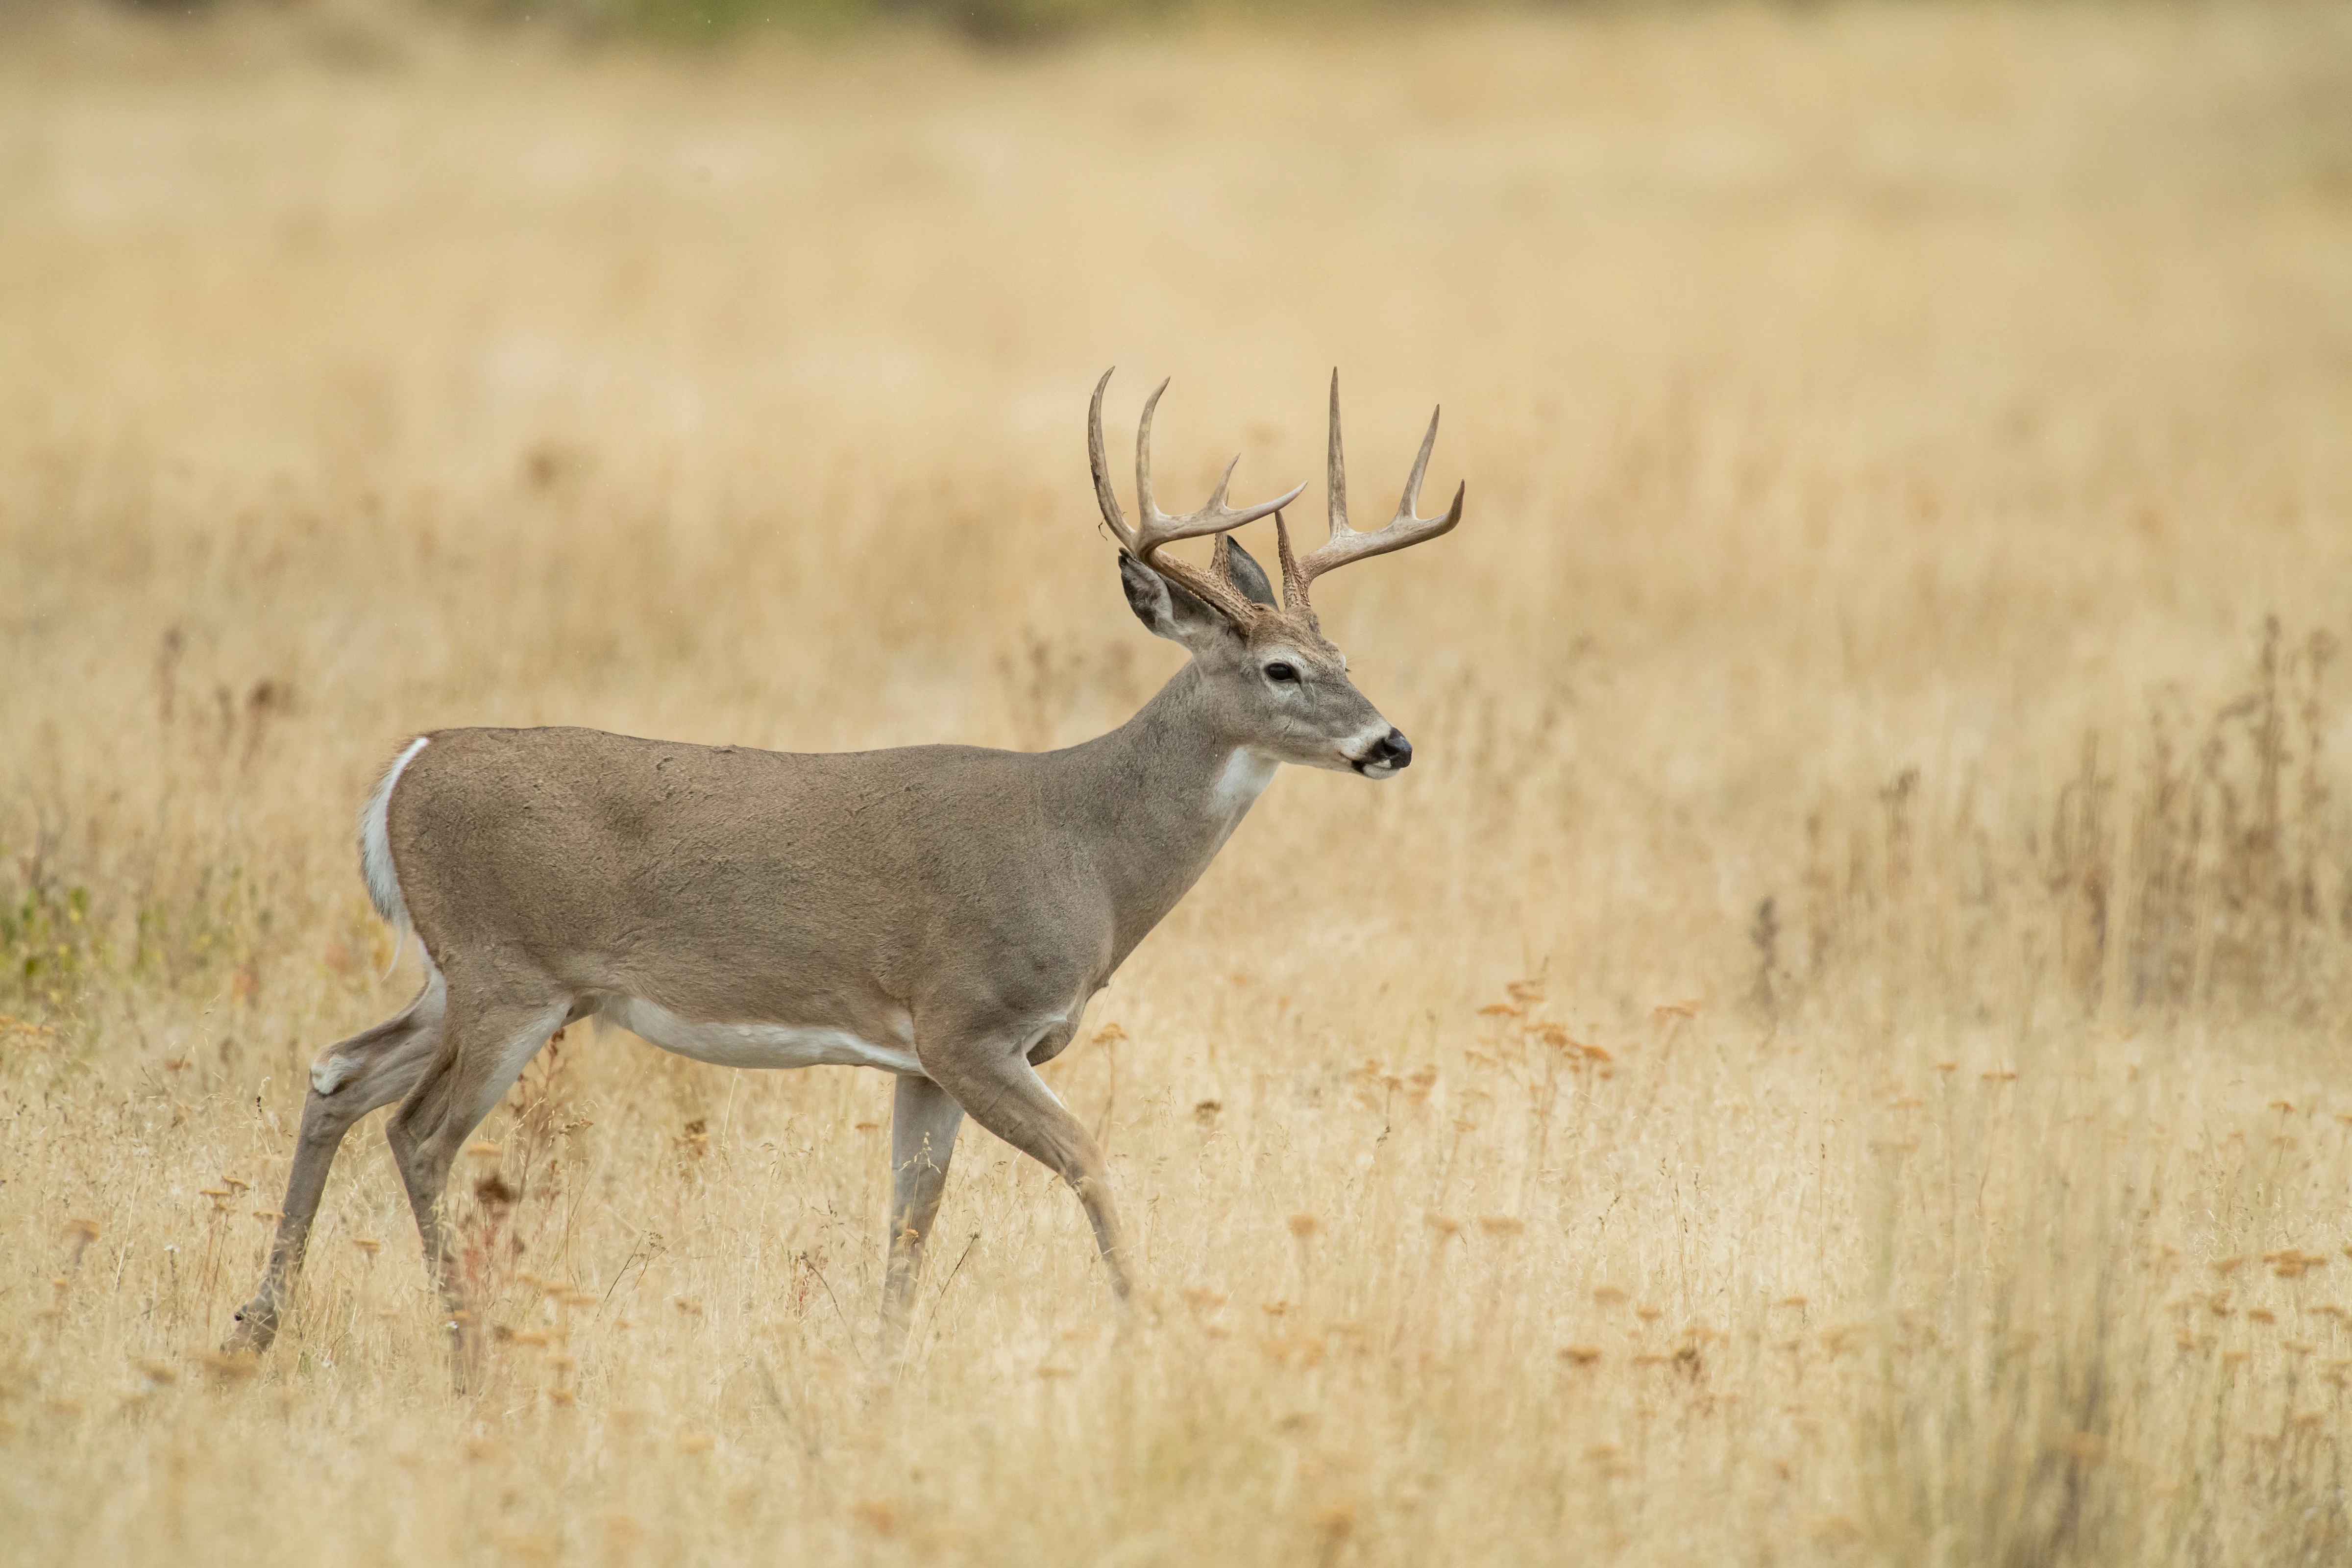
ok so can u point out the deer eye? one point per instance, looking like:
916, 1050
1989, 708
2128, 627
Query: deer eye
1280, 671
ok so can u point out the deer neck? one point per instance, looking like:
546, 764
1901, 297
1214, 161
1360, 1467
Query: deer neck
1160, 795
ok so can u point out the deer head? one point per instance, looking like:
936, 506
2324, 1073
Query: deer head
1280, 687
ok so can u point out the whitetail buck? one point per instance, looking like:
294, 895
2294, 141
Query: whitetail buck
941, 912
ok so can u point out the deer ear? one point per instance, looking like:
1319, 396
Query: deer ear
1165, 608
1248, 575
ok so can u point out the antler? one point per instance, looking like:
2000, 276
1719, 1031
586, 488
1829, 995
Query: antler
1217, 590
1346, 545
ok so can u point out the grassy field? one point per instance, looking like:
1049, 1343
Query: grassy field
1834, 1054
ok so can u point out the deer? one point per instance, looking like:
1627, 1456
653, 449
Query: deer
943, 914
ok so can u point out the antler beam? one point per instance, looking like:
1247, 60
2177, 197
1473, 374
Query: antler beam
1346, 545
1159, 529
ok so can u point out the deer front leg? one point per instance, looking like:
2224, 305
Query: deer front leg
924, 1120
999, 1089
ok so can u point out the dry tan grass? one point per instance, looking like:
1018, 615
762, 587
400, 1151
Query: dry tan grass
1888, 432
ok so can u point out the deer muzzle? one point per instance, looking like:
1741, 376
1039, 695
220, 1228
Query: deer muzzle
1388, 755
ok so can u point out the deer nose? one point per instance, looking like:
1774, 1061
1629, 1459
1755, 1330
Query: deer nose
1392, 750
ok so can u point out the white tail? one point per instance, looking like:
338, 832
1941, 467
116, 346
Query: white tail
376, 851
943, 914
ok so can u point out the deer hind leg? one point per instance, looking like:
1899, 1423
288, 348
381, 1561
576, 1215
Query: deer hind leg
485, 1045
350, 1078
924, 1119
1005, 1094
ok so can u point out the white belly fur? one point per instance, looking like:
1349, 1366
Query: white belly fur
758, 1045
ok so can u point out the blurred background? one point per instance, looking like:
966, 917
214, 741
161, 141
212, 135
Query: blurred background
1847, 394
1891, 649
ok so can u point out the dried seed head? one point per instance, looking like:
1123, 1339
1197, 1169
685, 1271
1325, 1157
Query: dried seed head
495, 1192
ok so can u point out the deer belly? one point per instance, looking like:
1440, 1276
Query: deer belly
757, 1045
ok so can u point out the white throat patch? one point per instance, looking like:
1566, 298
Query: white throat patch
1244, 778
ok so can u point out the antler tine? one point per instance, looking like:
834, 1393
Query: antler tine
1144, 503
1104, 497
1347, 544
1407, 506
1336, 470
1155, 528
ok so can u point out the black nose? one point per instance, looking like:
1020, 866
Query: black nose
1392, 749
